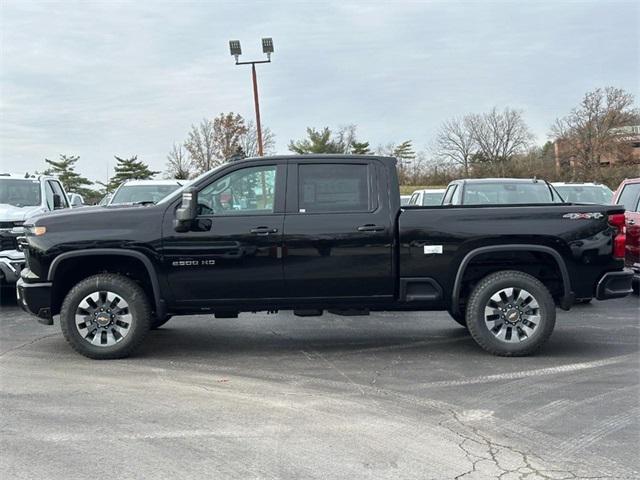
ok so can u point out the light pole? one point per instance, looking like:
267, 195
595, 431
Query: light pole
236, 51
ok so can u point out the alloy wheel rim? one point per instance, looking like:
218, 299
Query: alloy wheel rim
512, 315
103, 318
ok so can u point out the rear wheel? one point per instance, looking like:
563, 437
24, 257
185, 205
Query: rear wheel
105, 316
510, 313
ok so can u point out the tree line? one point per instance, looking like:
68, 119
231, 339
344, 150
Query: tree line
494, 143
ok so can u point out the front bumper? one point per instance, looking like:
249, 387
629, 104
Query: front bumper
615, 284
35, 298
11, 263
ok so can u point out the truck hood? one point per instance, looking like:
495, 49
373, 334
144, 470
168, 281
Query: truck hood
93, 216
11, 213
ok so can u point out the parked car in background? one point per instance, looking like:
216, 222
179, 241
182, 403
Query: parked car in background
628, 195
427, 197
144, 191
500, 191
588, 192
21, 197
404, 200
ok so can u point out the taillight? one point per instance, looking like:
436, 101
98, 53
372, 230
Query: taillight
620, 238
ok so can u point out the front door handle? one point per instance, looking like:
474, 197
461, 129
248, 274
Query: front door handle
263, 230
631, 222
370, 227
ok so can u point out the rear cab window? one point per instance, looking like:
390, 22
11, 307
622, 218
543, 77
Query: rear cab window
335, 188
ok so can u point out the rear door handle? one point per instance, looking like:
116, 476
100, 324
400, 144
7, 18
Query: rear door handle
370, 227
263, 230
631, 222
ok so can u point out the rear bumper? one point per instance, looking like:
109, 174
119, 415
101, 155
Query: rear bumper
35, 298
615, 284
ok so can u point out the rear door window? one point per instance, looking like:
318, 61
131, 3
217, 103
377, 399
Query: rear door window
335, 188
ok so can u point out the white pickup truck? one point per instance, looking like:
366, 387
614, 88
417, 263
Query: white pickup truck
21, 197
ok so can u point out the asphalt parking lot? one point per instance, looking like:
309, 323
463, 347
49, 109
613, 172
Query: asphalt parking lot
276, 396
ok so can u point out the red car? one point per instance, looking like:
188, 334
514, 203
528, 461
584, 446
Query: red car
628, 194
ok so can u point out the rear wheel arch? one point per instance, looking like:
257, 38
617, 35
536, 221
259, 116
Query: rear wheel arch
69, 268
552, 257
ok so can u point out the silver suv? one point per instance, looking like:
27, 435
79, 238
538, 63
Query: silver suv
20, 198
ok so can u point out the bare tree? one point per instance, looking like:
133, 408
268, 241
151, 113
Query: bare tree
455, 143
594, 131
201, 146
228, 129
178, 163
499, 136
249, 140
213, 142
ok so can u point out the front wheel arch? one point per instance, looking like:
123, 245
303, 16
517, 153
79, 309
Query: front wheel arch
69, 268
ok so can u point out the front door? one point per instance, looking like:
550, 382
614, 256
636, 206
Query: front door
234, 250
338, 234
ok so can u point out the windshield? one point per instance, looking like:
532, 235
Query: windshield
508, 193
19, 192
432, 198
585, 193
142, 193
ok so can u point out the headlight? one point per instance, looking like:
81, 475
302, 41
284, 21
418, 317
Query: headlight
32, 230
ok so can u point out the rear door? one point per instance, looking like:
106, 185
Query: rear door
338, 231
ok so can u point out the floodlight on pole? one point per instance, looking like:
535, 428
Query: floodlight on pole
234, 47
267, 46
236, 51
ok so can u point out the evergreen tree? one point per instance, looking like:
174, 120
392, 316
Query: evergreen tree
405, 152
325, 141
64, 169
360, 148
129, 169
318, 141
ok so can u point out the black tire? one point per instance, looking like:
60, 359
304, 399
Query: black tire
583, 301
519, 338
138, 313
158, 322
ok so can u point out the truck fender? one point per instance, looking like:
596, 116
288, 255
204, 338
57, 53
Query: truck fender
567, 299
158, 302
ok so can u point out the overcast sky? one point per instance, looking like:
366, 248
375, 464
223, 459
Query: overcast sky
98, 79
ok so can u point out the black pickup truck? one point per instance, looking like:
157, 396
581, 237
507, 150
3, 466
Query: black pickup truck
314, 234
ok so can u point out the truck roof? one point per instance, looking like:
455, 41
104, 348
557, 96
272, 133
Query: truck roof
22, 176
498, 180
155, 182
323, 156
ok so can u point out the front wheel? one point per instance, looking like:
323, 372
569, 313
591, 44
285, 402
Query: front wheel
510, 313
105, 316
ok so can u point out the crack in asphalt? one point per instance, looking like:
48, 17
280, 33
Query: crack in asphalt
26, 344
490, 450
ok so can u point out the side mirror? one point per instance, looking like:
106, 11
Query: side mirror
187, 211
57, 201
76, 200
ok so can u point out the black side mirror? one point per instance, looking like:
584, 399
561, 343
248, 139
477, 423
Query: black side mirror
57, 201
187, 211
